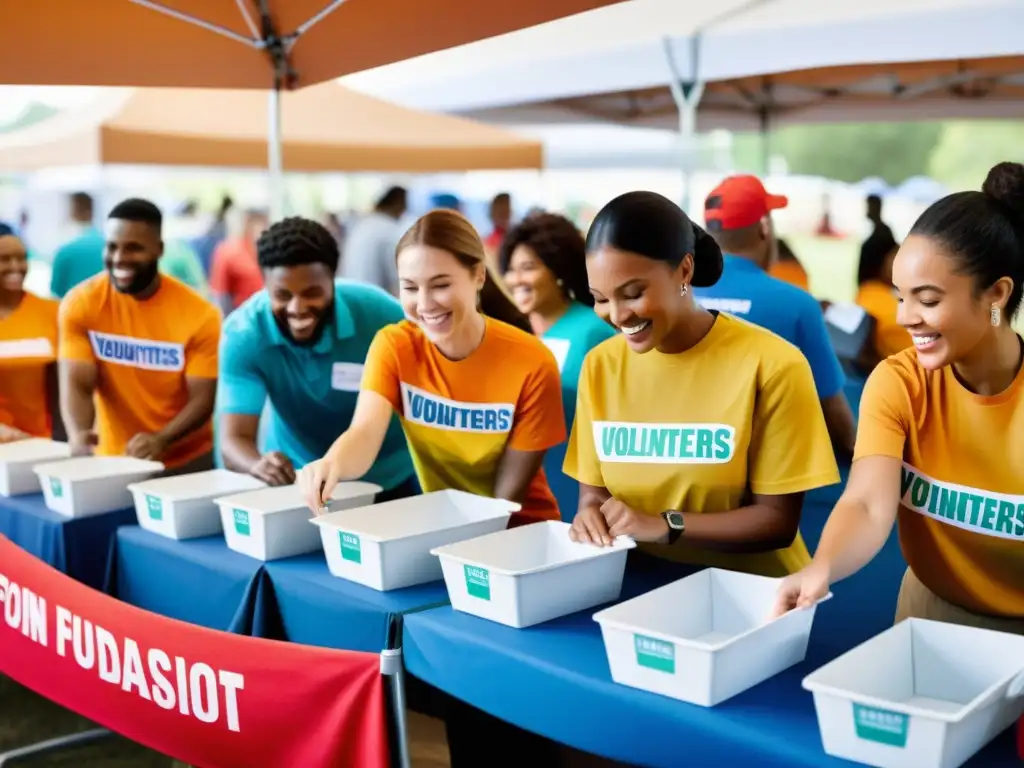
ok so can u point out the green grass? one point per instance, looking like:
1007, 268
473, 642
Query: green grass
831, 264
26, 718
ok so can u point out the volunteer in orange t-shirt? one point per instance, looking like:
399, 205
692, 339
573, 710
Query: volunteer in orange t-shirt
145, 345
479, 398
235, 273
939, 448
28, 348
877, 296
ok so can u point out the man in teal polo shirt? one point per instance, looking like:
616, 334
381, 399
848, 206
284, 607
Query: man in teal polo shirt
300, 344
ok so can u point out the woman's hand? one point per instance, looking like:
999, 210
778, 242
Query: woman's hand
589, 527
316, 482
623, 520
802, 589
9, 434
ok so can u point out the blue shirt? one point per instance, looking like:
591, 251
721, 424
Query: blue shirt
77, 261
747, 291
312, 390
573, 335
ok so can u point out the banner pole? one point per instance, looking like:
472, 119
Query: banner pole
54, 745
391, 666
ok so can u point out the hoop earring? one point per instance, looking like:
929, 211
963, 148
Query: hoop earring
684, 289
996, 316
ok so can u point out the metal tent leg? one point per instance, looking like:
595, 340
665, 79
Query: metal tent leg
391, 666
54, 745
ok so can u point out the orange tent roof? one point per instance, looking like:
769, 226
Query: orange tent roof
325, 128
159, 43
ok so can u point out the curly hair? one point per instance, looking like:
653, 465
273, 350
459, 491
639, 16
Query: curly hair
559, 245
295, 241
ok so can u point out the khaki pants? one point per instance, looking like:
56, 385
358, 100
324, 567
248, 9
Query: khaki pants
918, 602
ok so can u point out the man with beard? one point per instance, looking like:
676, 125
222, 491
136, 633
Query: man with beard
300, 343
138, 353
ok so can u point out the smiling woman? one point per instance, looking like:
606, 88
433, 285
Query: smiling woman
696, 433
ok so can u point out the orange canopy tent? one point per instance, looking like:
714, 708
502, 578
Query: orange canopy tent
326, 128
245, 43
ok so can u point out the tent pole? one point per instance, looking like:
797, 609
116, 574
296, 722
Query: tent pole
686, 92
275, 168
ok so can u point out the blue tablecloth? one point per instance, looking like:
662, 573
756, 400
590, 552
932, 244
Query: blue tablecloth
318, 609
200, 581
78, 546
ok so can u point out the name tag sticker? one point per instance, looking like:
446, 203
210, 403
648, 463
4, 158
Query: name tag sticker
346, 377
26, 348
560, 349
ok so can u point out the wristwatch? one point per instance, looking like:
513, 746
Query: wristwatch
676, 524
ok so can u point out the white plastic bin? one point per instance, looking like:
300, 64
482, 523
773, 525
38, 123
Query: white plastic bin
531, 574
705, 638
923, 694
273, 523
17, 460
92, 485
182, 507
388, 546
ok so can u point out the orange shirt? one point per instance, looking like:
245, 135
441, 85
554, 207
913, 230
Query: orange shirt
878, 300
235, 271
460, 416
28, 345
790, 272
144, 351
961, 517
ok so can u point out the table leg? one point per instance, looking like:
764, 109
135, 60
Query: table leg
391, 665
54, 745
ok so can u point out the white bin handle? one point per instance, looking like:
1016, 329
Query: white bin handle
1016, 687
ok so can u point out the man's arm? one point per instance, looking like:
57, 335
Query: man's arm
77, 409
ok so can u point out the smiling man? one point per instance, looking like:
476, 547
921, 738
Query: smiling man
138, 353
300, 343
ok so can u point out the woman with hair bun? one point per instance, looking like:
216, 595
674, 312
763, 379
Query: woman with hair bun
939, 450
543, 260
477, 394
695, 431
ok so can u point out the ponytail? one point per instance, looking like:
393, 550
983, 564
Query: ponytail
495, 304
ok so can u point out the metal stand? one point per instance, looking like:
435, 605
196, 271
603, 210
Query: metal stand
391, 666
54, 745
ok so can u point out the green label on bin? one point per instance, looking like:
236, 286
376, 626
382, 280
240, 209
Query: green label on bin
881, 725
56, 487
655, 654
350, 548
478, 582
241, 522
155, 507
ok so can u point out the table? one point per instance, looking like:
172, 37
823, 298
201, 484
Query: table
200, 581
317, 608
78, 546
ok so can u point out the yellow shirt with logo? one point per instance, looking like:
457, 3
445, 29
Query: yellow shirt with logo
961, 517
700, 431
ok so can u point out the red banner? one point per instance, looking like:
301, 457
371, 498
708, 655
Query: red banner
210, 699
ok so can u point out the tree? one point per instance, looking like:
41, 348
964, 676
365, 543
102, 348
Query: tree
966, 150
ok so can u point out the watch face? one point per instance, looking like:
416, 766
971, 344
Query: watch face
674, 519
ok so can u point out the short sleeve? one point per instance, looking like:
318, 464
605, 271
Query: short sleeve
73, 328
814, 342
380, 371
581, 461
202, 350
241, 388
540, 419
884, 415
790, 450
220, 270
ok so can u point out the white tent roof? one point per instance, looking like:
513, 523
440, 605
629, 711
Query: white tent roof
766, 49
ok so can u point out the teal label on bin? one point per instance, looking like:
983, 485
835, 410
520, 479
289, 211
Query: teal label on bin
478, 582
241, 522
655, 654
881, 725
56, 487
350, 547
155, 507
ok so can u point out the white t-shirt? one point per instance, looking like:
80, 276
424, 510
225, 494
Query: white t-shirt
369, 255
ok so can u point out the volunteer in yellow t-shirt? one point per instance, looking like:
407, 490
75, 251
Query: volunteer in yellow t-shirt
145, 345
940, 446
695, 431
28, 348
478, 395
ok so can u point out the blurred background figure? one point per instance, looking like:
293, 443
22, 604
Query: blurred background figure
234, 272
500, 215
876, 295
787, 267
81, 256
369, 254
874, 211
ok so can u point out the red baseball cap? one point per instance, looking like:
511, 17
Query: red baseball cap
740, 201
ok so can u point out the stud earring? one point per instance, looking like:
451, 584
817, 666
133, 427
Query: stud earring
684, 289
996, 316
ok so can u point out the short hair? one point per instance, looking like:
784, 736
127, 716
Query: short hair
137, 209
7, 230
560, 247
392, 196
873, 253
83, 199
296, 241
875, 200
